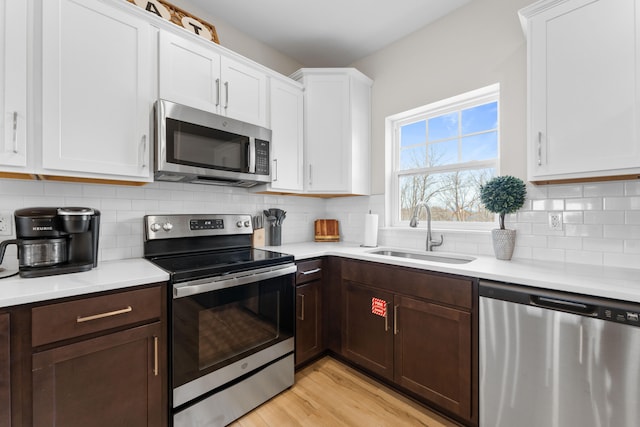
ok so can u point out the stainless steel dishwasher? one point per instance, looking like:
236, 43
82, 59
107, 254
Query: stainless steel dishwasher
553, 359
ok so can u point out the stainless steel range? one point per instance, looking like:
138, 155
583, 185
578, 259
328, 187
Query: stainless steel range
232, 316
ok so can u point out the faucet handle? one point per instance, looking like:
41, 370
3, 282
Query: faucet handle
433, 243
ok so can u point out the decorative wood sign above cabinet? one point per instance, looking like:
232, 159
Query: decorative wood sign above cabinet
179, 17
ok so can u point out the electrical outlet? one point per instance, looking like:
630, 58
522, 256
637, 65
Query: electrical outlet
5, 223
555, 221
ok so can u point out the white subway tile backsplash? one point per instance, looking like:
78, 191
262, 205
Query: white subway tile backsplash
622, 231
583, 204
604, 217
602, 245
584, 257
547, 205
601, 221
548, 254
564, 191
583, 230
561, 242
572, 217
632, 247
632, 188
604, 189
622, 203
632, 217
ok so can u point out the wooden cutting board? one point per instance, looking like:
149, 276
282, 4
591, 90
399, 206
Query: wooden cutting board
327, 230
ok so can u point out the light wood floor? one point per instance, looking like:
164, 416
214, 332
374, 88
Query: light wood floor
329, 393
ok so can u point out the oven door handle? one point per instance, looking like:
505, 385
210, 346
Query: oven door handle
181, 290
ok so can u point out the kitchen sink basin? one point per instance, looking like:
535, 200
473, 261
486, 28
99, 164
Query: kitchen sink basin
423, 256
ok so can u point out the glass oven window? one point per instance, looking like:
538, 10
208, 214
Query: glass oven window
214, 329
200, 146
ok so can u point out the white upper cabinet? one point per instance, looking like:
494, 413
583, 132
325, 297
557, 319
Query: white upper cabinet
337, 129
197, 75
189, 73
583, 89
286, 124
97, 91
13, 85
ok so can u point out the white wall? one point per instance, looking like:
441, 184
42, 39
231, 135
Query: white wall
241, 43
477, 45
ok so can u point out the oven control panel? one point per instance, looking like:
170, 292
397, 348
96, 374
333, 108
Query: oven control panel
206, 224
187, 225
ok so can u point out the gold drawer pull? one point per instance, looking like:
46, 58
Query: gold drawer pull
81, 319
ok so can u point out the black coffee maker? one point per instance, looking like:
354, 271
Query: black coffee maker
55, 240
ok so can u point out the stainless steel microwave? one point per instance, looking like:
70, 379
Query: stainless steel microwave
197, 146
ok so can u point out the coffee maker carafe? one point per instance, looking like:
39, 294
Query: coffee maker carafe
55, 240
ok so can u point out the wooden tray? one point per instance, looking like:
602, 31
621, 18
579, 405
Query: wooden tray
327, 230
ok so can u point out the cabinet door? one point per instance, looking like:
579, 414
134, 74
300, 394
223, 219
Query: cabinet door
189, 73
327, 149
584, 90
13, 85
367, 336
113, 380
433, 353
5, 371
308, 321
97, 90
287, 136
244, 92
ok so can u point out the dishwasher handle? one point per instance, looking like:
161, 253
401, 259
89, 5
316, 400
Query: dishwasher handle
575, 307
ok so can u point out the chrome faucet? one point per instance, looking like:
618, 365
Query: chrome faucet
414, 223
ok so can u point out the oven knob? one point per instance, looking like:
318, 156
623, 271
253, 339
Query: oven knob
239, 224
155, 227
167, 226
247, 223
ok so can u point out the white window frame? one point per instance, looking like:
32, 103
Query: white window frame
392, 139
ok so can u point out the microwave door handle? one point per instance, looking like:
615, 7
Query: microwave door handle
252, 155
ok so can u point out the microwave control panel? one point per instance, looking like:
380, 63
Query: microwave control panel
262, 157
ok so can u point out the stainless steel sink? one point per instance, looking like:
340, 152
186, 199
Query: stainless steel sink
445, 258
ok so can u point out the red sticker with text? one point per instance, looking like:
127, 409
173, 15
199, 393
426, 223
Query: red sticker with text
379, 307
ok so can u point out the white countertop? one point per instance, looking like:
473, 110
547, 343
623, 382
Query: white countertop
609, 282
109, 275
617, 283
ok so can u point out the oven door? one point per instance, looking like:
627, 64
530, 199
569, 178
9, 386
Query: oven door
223, 329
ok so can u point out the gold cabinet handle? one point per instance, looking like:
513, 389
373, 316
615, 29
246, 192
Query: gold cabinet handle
81, 319
386, 322
395, 320
155, 356
301, 317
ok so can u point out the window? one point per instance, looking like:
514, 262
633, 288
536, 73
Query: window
441, 154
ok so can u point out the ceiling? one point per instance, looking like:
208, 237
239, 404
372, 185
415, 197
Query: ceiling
328, 33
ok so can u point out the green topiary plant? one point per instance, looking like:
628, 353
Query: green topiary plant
503, 195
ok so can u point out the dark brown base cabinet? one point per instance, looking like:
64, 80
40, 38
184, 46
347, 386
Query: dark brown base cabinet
5, 371
414, 329
90, 361
112, 380
309, 328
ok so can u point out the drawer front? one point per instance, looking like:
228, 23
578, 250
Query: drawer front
72, 319
309, 271
440, 287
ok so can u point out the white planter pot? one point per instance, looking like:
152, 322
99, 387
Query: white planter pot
503, 243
